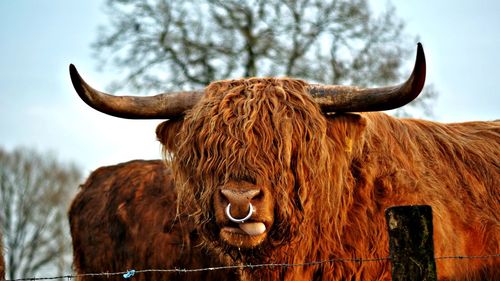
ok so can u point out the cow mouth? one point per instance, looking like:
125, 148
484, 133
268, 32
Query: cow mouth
244, 235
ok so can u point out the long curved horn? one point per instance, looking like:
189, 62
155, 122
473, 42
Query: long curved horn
354, 99
161, 106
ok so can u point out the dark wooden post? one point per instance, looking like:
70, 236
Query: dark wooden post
410, 243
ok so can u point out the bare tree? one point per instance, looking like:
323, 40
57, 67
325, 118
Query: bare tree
2, 262
168, 44
34, 193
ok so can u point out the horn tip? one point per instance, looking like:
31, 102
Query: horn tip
420, 52
419, 71
75, 78
72, 70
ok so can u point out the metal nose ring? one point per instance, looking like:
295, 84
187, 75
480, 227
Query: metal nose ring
228, 214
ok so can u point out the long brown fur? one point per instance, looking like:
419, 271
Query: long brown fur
124, 217
332, 177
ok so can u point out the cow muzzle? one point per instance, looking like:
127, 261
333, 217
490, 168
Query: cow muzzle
244, 212
253, 228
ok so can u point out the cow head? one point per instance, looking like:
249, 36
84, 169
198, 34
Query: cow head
254, 159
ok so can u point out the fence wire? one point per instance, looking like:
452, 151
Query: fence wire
130, 273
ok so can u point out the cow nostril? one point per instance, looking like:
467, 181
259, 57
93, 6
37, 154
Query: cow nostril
238, 203
258, 196
240, 197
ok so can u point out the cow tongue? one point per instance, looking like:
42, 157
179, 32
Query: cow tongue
253, 228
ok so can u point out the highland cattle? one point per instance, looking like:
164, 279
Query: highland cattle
278, 170
124, 217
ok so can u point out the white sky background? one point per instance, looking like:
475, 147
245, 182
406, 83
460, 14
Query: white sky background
39, 108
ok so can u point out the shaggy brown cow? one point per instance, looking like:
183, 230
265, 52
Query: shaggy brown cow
271, 175
124, 217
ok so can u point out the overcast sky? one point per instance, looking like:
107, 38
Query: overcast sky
39, 108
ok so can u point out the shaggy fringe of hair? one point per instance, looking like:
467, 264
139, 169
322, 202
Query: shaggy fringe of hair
243, 130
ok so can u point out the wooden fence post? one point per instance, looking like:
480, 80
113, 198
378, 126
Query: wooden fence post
411, 244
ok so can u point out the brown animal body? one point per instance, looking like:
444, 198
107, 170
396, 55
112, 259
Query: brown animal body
271, 175
124, 217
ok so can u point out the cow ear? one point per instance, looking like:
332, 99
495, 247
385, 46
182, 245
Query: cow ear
167, 132
347, 129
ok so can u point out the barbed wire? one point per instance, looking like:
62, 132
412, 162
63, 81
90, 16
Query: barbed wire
467, 257
130, 273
